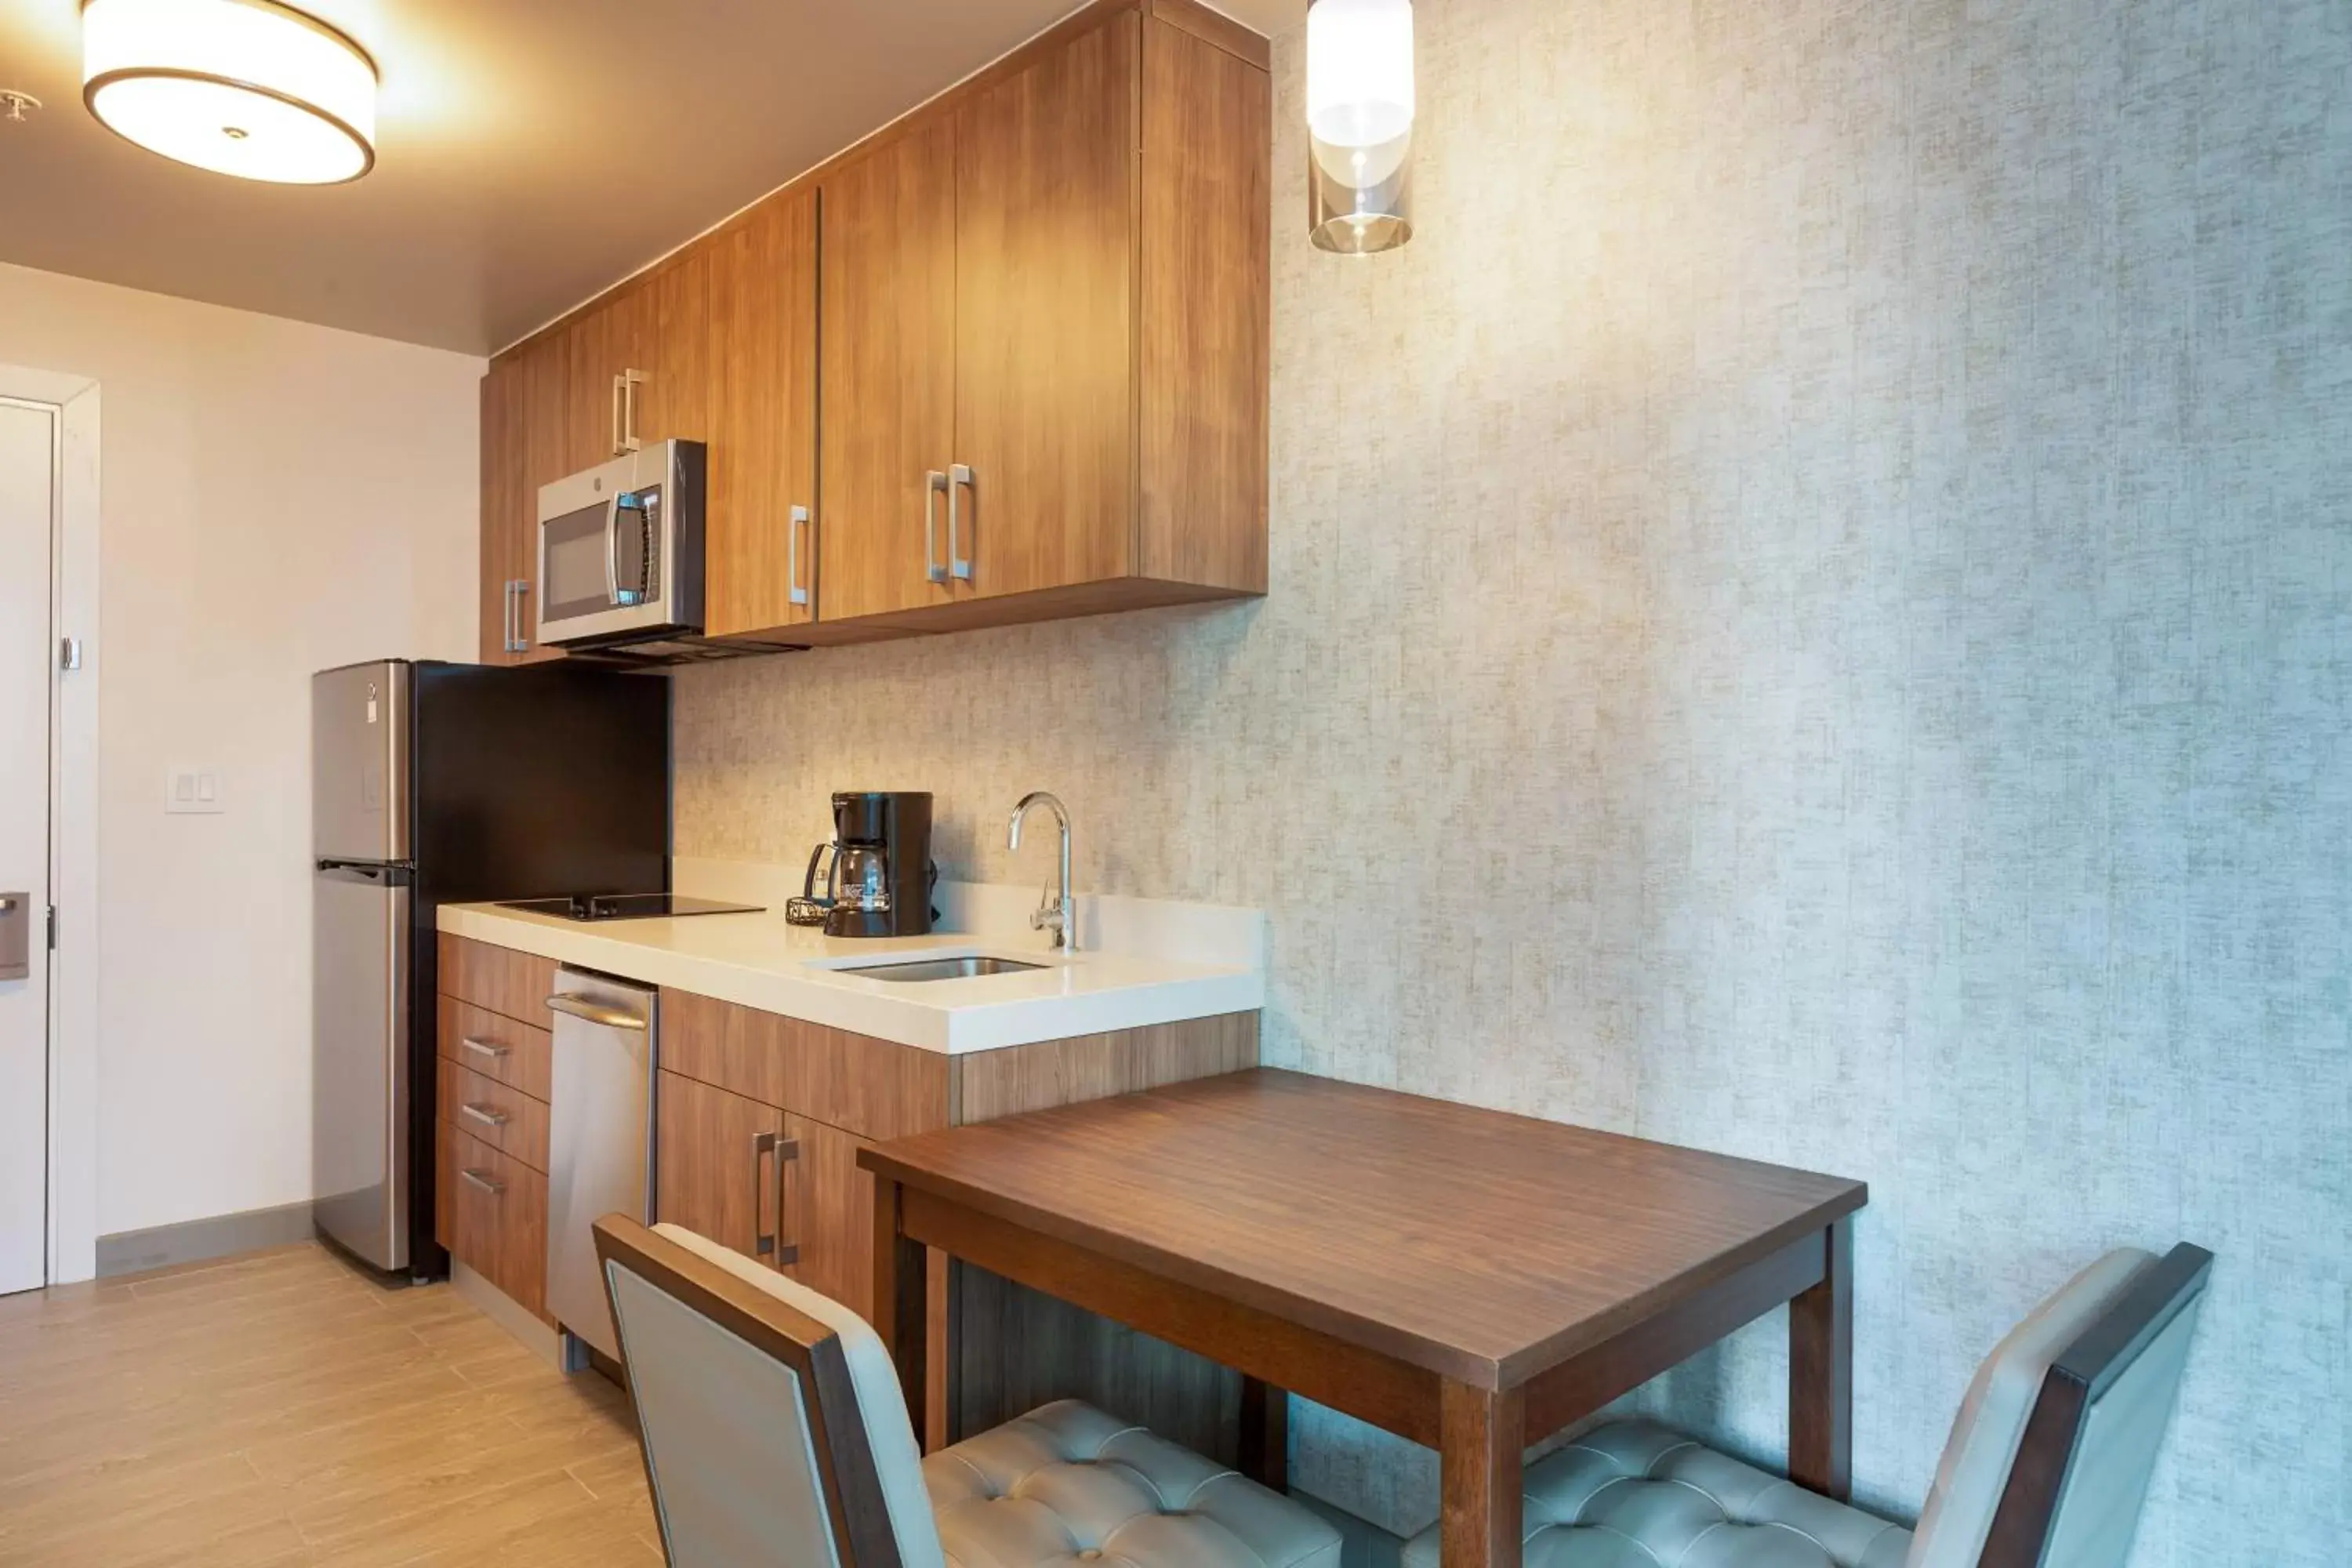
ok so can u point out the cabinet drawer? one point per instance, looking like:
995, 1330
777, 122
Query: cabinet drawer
491, 1213
498, 978
495, 1046
495, 1113
875, 1088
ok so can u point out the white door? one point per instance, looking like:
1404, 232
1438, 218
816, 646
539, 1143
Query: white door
27, 492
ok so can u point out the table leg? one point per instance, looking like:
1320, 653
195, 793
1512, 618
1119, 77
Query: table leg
1821, 1373
1482, 1443
901, 1304
1265, 1435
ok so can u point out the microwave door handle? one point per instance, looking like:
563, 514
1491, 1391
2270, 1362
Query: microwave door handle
612, 549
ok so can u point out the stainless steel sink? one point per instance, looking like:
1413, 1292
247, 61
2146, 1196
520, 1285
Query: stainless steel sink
943, 969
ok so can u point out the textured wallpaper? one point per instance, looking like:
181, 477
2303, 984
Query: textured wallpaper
1812, 616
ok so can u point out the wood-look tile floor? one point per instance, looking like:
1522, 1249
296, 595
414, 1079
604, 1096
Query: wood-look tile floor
282, 1409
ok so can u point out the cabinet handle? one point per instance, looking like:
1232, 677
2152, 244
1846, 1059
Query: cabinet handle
959, 479
787, 1150
797, 594
493, 1118
477, 1180
486, 1048
763, 1241
523, 632
933, 483
630, 381
505, 617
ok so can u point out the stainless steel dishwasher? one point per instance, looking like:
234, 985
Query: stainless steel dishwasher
600, 1143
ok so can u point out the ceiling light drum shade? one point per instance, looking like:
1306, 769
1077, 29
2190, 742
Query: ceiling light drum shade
245, 88
1360, 112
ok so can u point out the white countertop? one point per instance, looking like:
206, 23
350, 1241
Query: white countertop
761, 961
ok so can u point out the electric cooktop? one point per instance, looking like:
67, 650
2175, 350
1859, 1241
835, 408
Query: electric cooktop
628, 907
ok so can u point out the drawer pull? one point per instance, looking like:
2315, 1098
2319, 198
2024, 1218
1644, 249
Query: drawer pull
490, 1048
487, 1117
477, 1180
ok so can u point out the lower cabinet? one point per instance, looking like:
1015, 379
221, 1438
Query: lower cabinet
781, 1189
491, 1213
716, 1165
829, 1213
759, 1123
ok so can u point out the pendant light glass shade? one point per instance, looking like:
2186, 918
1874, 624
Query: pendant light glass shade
239, 86
1359, 110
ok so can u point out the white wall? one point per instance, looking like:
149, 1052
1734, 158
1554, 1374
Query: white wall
277, 497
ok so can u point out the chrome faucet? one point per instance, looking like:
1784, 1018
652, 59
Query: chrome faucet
1058, 915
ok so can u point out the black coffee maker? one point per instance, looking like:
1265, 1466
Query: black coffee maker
880, 876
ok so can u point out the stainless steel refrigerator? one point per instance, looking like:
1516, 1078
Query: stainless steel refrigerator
435, 783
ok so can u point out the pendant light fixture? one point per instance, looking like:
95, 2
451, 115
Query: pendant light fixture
247, 88
1360, 107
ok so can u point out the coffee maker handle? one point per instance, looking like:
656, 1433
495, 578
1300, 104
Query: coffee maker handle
808, 883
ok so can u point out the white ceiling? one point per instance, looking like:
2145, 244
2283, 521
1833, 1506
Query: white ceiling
530, 152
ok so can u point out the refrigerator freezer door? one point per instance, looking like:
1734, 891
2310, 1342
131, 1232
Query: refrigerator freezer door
360, 750
599, 1142
359, 1061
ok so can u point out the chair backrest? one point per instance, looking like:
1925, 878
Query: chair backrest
770, 1416
2048, 1460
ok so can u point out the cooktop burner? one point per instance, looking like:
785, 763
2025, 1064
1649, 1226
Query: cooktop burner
628, 907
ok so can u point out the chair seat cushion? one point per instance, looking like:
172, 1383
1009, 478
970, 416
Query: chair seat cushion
1637, 1495
1068, 1484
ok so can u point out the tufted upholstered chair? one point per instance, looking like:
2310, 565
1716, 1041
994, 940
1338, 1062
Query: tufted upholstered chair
775, 1436
2046, 1467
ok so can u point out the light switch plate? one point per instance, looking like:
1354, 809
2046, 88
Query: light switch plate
195, 791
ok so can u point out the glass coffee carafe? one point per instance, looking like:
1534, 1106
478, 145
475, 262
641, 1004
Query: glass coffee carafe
861, 879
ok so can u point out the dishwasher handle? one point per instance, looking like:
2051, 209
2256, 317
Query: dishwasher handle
596, 1011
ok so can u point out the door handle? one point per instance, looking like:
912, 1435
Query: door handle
630, 381
933, 483
491, 1119
763, 1241
796, 593
959, 479
481, 1182
596, 1012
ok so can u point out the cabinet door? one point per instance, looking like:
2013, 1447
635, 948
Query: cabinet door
759, 563
829, 1213
543, 443
507, 515
592, 357
661, 329
1044, 317
887, 374
717, 1167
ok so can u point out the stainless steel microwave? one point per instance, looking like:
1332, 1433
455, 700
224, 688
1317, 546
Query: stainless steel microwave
620, 550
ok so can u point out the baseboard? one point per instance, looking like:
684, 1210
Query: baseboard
507, 1313
194, 1241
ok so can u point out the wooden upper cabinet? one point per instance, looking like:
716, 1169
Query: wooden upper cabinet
1012, 353
888, 420
658, 337
636, 367
504, 460
760, 533
1044, 317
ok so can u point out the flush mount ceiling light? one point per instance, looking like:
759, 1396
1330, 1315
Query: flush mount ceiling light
240, 87
1359, 109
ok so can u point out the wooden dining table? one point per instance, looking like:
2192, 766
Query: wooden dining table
1468, 1280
